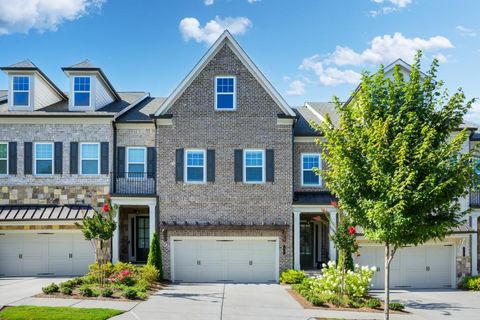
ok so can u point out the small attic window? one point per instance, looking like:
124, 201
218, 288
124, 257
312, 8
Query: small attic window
225, 94
21, 91
81, 91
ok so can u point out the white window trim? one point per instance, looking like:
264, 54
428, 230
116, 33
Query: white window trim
35, 159
234, 93
144, 162
81, 91
319, 167
245, 166
29, 91
5, 174
98, 159
185, 166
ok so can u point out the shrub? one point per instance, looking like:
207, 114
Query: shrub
292, 276
471, 283
66, 290
94, 270
142, 285
373, 303
86, 291
125, 277
107, 292
130, 293
142, 295
149, 273
88, 279
155, 256
398, 306
51, 288
122, 266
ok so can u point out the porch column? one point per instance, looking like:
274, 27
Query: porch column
474, 246
152, 219
116, 237
296, 240
332, 251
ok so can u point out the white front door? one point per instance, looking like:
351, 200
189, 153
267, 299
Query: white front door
426, 266
224, 259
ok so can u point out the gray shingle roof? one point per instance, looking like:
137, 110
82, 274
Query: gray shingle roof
324, 108
142, 111
85, 64
22, 65
3, 93
44, 212
302, 126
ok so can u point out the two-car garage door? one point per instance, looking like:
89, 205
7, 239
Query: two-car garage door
224, 259
426, 266
56, 254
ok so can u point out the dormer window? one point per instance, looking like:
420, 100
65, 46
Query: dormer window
21, 91
81, 91
225, 93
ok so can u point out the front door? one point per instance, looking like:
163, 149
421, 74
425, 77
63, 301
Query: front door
306, 245
142, 242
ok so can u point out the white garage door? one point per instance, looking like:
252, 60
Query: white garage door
33, 254
427, 266
220, 260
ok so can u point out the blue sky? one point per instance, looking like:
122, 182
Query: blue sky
310, 50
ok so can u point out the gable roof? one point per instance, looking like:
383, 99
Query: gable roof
27, 65
88, 66
225, 38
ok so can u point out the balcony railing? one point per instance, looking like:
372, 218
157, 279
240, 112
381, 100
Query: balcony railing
475, 198
134, 183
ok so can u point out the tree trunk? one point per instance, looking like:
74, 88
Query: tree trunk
387, 281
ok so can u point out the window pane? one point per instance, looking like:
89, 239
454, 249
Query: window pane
136, 168
44, 167
136, 155
253, 174
3, 151
81, 84
195, 158
225, 101
309, 177
82, 99
3, 166
21, 83
20, 98
43, 151
195, 174
477, 167
254, 158
310, 162
90, 166
89, 150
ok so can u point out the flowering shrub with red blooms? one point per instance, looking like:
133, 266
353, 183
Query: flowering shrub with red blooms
334, 204
105, 207
351, 230
123, 277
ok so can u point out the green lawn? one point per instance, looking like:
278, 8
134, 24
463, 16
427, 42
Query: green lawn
56, 313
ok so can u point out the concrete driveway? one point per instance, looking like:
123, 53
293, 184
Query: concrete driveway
17, 288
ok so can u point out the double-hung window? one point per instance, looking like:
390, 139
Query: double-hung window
90, 158
43, 158
81, 91
21, 91
3, 158
310, 161
225, 93
254, 166
136, 162
195, 166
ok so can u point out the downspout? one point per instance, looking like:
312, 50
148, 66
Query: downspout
114, 157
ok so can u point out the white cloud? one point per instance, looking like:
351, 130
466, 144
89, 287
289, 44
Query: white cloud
42, 15
388, 6
329, 76
441, 57
473, 114
208, 2
464, 31
397, 3
253, 1
296, 88
191, 28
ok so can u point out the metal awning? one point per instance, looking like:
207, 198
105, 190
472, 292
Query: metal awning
44, 212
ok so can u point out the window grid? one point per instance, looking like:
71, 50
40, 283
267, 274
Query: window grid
81, 91
195, 166
21, 91
3, 158
136, 162
254, 166
44, 158
309, 162
90, 153
225, 93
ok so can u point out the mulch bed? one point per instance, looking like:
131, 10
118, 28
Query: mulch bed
76, 294
328, 306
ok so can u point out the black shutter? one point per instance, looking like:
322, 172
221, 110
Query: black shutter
151, 162
179, 165
211, 165
238, 165
12, 158
73, 157
58, 161
27, 158
120, 162
270, 165
104, 157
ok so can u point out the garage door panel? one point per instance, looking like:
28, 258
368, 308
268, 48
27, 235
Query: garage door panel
10, 249
35, 254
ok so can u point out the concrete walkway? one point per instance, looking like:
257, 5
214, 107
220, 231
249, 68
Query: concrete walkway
17, 288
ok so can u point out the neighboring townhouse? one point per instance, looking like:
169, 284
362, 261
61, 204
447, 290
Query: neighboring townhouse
222, 170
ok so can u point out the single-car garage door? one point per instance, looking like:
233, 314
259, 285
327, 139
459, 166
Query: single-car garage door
37, 254
224, 259
426, 266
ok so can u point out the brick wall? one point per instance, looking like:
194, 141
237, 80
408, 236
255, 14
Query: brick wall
299, 148
141, 136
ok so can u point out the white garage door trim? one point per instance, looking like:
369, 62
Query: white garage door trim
453, 265
172, 250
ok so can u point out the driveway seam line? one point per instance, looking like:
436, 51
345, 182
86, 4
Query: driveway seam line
223, 298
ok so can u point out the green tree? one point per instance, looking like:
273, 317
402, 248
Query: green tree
395, 160
99, 230
155, 256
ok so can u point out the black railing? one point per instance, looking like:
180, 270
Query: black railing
475, 198
141, 183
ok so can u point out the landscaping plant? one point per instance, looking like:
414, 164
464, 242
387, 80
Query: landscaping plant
471, 283
155, 256
51, 288
395, 161
292, 276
